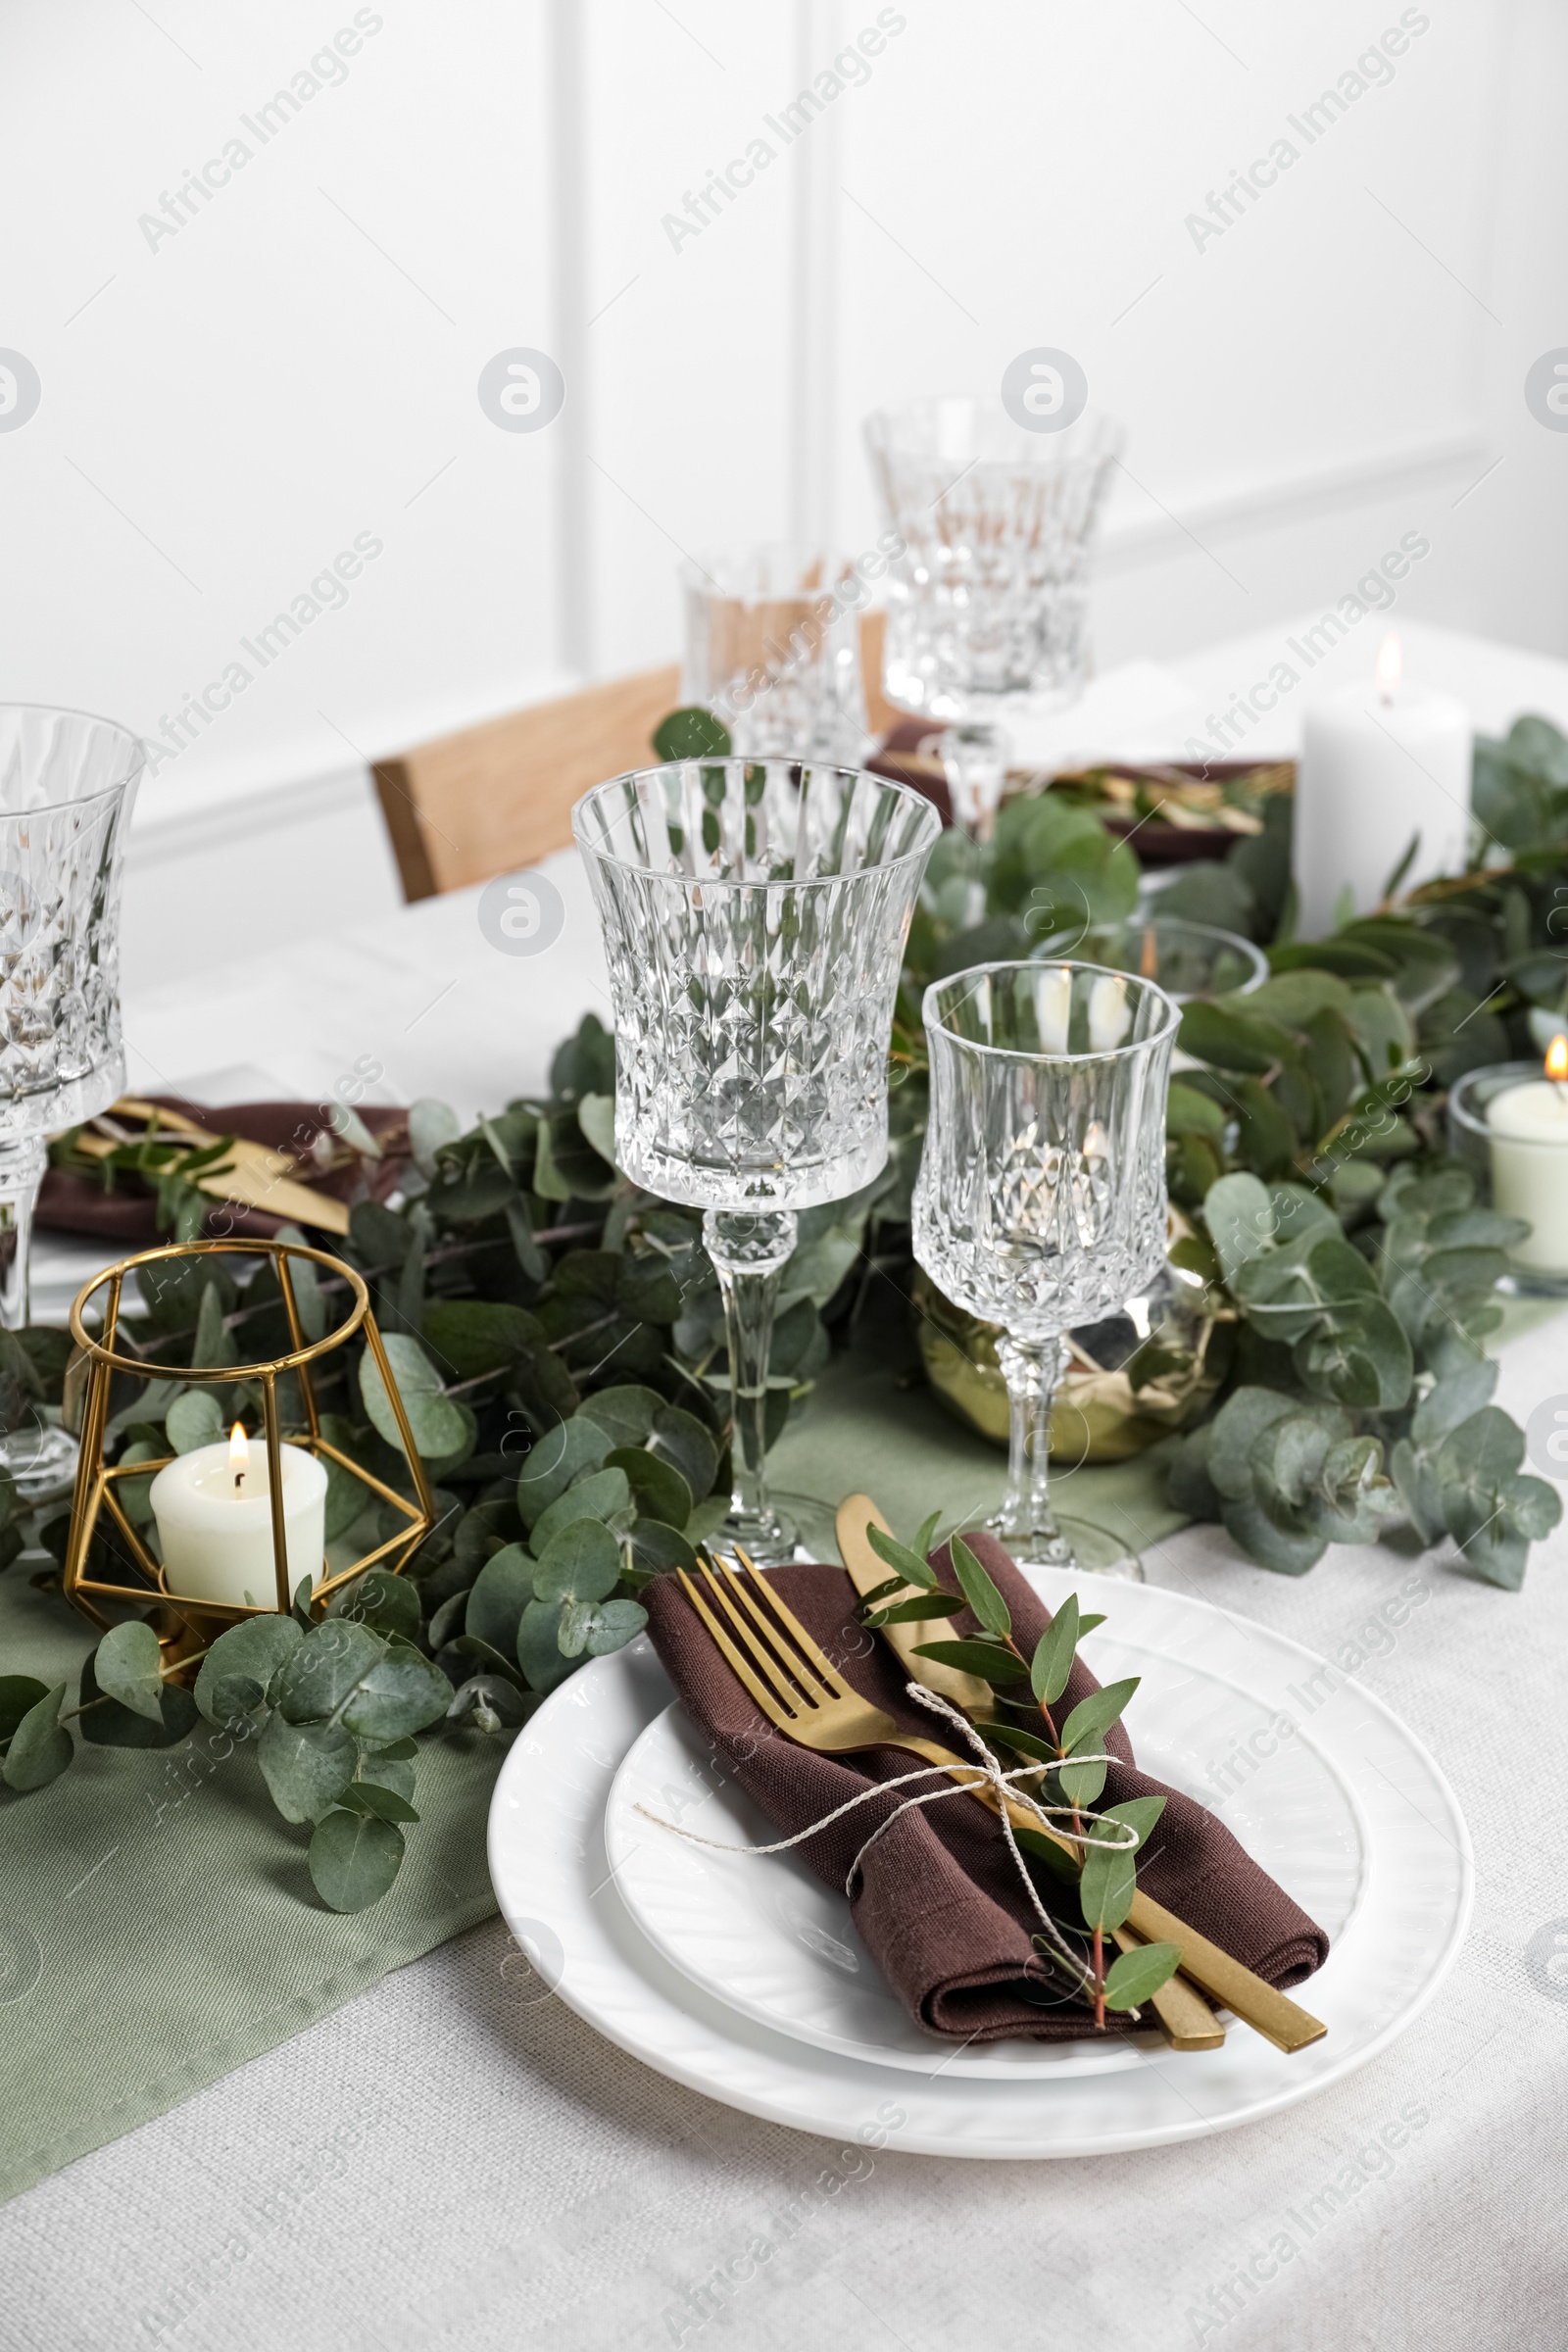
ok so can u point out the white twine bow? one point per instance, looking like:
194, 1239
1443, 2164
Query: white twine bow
987, 1772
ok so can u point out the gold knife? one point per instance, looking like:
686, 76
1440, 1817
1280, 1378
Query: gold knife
1186, 2019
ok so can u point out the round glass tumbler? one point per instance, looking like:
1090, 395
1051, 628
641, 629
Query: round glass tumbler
1041, 1199
67, 783
754, 913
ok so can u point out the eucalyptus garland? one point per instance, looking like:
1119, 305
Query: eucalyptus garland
558, 1335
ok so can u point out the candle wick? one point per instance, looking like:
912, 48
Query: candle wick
239, 1480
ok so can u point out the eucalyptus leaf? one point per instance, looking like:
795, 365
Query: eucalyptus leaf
40, 1747
978, 1589
194, 1419
1137, 1975
386, 1603
582, 1562
398, 1693
679, 1438
1093, 1717
500, 1593
538, 1645
353, 1859
304, 1765
627, 1415
605, 1495
18, 1694
127, 1666
1106, 1883
431, 1124
914, 1568
490, 1702
439, 1424
657, 1489
990, 1661
561, 1454
1054, 1652
256, 1650
375, 1801
599, 1626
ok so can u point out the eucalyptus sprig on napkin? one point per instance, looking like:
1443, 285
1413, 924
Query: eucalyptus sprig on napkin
1097, 1860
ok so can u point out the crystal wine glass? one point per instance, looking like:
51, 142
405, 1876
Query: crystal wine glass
1040, 1200
754, 913
67, 783
773, 649
987, 607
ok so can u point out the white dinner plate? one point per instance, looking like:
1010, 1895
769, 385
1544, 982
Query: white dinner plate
1318, 1779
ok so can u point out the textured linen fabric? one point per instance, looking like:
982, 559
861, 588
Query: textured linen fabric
938, 1899
455, 2160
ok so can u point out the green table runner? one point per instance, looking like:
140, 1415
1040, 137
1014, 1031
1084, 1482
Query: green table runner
157, 1925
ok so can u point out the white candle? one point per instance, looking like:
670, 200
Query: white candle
1381, 765
1054, 1008
215, 1522
1529, 1162
1110, 1014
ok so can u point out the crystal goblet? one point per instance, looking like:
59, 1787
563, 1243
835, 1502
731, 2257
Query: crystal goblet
754, 914
67, 783
773, 649
1040, 1200
987, 607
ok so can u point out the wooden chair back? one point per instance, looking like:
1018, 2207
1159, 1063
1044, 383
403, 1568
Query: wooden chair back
498, 796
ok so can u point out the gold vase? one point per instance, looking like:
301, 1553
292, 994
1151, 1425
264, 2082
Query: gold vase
1104, 1411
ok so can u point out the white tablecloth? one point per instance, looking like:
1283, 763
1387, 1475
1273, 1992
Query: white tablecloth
454, 2158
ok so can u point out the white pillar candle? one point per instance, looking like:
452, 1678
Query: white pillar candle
1381, 765
1529, 1126
215, 1521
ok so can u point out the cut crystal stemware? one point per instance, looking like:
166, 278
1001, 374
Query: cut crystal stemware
67, 783
754, 914
1040, 1200
988, 605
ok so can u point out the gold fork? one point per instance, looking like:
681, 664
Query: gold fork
803, 1694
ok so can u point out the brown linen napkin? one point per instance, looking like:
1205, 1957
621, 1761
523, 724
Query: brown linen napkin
938, 1904
71, 1202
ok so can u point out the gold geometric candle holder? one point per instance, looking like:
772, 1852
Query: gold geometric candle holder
185, 1621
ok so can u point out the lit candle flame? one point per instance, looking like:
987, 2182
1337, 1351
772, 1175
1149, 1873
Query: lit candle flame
1391, 666
1558, 1059
240, 1452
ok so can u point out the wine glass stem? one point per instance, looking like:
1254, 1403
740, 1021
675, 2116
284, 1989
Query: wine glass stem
750, 1250
22, 1165
1027, 1525
974, 754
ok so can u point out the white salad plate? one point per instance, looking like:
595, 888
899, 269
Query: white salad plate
742, 1977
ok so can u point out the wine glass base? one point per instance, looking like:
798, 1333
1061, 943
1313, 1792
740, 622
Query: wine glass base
797, 1528
42, 1461
1073, 1543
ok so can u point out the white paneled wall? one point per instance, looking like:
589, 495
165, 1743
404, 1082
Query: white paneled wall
236, 384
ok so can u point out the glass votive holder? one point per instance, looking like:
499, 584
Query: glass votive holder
1185, 958
1508, 1124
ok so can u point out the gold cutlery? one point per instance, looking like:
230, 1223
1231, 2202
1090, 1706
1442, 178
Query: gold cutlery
251, 1173
1186, 2019
805, 1696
